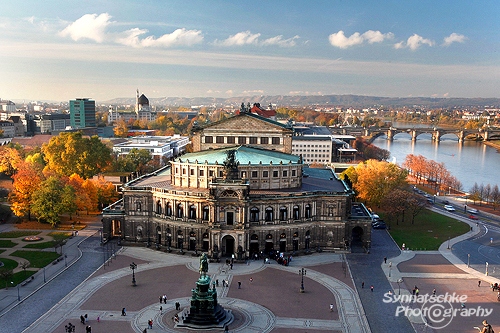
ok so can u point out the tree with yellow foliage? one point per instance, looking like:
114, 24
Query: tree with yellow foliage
373, 180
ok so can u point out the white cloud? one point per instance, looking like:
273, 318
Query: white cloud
249, 38
253, 92
414, 42
376, 36
241, 38
341, 41
178, 37
90, 26
454, 37
278, 40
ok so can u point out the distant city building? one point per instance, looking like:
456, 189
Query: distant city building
82, 113
8, 106
142, 111
316, 144
50, 123
160, 147
8, 128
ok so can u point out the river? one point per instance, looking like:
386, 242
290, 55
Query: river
470, 162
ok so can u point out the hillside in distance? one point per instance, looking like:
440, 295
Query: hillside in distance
324, 100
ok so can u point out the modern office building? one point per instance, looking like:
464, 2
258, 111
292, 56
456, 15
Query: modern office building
82, 113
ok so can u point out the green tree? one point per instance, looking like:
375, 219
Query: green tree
48, 201
69, 200
70, 153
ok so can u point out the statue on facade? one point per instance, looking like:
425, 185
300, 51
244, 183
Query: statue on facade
203, 264
231, 165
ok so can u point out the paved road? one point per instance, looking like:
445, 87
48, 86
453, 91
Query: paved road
367, 268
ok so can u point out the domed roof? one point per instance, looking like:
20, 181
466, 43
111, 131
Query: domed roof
143, 100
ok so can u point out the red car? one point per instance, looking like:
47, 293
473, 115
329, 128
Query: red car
473, 217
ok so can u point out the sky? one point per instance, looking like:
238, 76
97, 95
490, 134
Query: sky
64, 49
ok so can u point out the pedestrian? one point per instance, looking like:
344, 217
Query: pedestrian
226, 328
150, 323
88, 329
98, 319
251, 279
161, 299
145, 330
217, 282
82, 319
231, 265
363, 285
371, 288
434, 292
239, 284
479, 283
417, 292
86, 318
331, 307
486, 327
124, 312
177, 306
385, 260
161, 309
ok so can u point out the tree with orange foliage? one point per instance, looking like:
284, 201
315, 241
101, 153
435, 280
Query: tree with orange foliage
27, 180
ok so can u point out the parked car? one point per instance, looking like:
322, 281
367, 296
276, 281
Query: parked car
379, 225
430, 201
472, 210
473, 217
449, 208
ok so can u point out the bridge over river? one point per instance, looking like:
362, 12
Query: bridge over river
437, 133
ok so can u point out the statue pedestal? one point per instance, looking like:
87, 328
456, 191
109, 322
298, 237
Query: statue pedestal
205, 312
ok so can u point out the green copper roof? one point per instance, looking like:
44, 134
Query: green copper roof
244, 155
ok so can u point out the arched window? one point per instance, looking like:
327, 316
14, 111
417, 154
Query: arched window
192, 212
308, 214
269, 214
180, 211
169, 209
296, 212
158, 207
206, 213
254, 214
283, 214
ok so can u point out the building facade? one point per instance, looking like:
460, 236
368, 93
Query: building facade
82, 113
240, 200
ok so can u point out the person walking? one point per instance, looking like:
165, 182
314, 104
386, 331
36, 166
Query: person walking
239, 284
371, 288
124, 312
486, 327
363, 285
331, 307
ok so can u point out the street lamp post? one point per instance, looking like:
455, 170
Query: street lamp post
448, 243
486, 273
468, 260
18, 295
302, 272
133, 267
399, 286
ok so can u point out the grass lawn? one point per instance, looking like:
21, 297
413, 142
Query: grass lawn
8, 263
59, 235
37, 259
43, 245
7, 243
15, 234
428, 232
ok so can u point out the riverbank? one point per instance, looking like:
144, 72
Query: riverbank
493, 143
